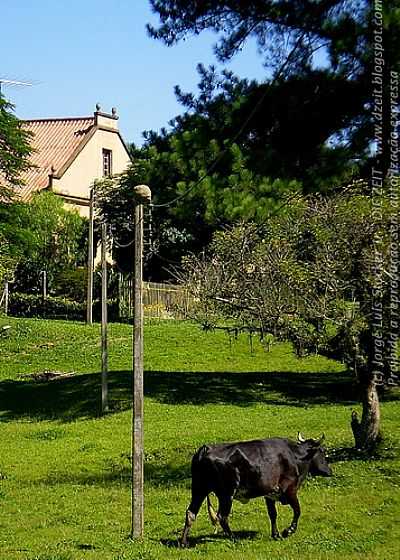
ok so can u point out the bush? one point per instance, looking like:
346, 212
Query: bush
72, 284
112, 310
33, 305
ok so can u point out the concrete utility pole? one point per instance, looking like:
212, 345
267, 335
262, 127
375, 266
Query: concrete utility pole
89, 298
142, 196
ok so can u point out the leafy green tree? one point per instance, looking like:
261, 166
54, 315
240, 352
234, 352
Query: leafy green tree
241, 147
214, 167
15, 150
189, 204
8, 261
283, 128
309, 276
42, 236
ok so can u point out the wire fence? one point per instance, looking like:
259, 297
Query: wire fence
160, 301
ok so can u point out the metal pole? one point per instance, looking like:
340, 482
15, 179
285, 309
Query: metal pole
44, 286
89, 298
6, 297
44, 293
104, 348
137, 427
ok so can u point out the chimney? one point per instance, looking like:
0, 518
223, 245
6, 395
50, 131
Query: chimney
105, 120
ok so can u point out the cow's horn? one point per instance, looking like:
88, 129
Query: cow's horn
321, 439
300, 438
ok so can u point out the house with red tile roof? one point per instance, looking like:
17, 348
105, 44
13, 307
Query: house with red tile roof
70, 153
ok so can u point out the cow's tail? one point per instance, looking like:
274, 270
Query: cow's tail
201, 453
211, 513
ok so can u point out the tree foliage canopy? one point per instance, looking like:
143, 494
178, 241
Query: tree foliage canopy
240, 148
15, 150
303, 26
294, 40
320, 275
312, 266
41, 235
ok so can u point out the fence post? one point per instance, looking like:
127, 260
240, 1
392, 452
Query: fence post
119, 295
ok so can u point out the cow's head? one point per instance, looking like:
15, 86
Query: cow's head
315, 453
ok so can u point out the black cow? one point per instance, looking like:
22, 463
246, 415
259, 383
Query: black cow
273, 468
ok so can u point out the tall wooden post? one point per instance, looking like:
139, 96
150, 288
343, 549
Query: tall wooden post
89, 298
137, 432
142, 195
104, 345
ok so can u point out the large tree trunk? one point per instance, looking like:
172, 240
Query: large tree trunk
367, 431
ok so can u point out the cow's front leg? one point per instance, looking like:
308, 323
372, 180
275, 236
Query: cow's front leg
224, 509
271, 507
191, 514
294, 504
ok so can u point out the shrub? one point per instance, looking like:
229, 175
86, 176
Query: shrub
112, 310
72, 284
33, 305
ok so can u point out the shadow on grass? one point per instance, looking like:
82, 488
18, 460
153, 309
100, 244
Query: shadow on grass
159, 473
202, 539
387, 450
79, 396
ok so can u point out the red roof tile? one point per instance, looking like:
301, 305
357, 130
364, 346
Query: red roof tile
55, 142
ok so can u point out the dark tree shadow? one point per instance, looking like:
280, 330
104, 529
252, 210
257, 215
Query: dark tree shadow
79, 396
386, 450
244, 389
157, 473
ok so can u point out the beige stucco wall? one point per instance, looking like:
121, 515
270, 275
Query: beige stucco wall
88, 166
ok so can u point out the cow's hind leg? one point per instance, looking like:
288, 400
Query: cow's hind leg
191, 514
271, 507
293, 501
224, 509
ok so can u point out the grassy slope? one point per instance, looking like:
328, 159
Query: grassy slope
64, 471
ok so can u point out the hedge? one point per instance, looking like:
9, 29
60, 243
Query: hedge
33, 305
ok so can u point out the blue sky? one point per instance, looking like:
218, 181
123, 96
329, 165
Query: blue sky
78, 53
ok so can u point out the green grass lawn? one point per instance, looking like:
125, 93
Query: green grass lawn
65, 470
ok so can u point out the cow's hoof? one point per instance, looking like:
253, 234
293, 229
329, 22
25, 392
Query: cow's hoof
276, 536
287, 532
182, 544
